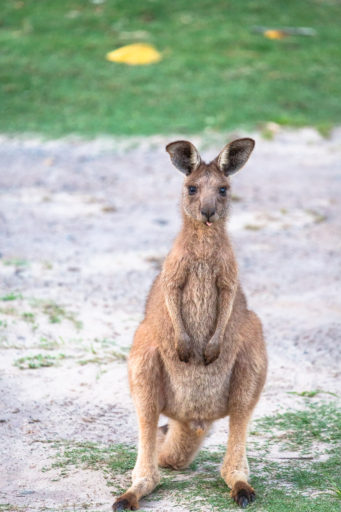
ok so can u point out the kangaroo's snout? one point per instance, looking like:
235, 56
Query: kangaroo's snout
208, 213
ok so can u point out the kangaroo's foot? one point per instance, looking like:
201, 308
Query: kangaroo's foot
243, 494
172, 461
141, 486
180, 444
127, 501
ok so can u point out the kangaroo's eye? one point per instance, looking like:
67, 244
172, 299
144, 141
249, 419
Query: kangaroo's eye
222, 191
192, 190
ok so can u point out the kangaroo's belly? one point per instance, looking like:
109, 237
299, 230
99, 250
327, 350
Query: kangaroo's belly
197, 393
199, 303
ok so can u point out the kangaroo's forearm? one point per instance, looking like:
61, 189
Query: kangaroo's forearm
225, 306
173, 278
173, 303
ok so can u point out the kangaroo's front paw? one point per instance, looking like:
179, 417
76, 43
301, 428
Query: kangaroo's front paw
212, 351
243, 494
183, 347
127, 501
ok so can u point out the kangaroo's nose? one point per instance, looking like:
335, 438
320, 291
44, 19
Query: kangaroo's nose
208, 212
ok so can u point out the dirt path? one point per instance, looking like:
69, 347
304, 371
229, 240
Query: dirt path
83, 228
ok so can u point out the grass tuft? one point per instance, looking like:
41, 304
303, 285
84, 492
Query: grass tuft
56, 314
11, 296
299, 430
38, 361
312, 393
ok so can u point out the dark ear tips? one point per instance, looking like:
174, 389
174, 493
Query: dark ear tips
248, 142
184, 156
235, 155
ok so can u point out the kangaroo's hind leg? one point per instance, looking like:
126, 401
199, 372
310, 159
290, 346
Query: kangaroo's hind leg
246, 384
145, 381
235, 470
180, 443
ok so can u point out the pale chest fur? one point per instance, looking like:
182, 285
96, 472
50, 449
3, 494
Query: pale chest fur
196, 392
199, 302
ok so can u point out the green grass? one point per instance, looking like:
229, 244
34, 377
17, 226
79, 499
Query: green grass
105, 358
7, 507
57, 313
315, 423
113, 460
37, 361
11, 296
16, 263
311, 393
216, 72
281, 487
54, 312
289, 485
28, 317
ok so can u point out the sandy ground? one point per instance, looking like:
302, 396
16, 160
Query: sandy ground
84, 225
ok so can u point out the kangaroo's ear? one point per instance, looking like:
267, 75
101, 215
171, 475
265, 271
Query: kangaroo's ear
184, 156
234, 155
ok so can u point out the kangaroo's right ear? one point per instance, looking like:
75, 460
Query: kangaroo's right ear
184, 156
235, 155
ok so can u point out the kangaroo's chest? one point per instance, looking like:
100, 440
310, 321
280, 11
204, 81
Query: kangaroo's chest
199, 304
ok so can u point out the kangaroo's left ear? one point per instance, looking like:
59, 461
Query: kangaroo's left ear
235, 155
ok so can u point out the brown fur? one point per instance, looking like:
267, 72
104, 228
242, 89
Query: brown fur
199, 353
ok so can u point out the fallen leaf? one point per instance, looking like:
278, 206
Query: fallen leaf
279, 33
274, 34
135, 54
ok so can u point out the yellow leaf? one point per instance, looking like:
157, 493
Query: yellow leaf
274, 34
135, 54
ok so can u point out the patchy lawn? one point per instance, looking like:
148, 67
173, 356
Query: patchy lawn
284, 482
216, 71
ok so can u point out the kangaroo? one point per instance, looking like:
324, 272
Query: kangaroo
199, 353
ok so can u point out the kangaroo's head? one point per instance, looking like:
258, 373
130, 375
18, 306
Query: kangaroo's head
206, 191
